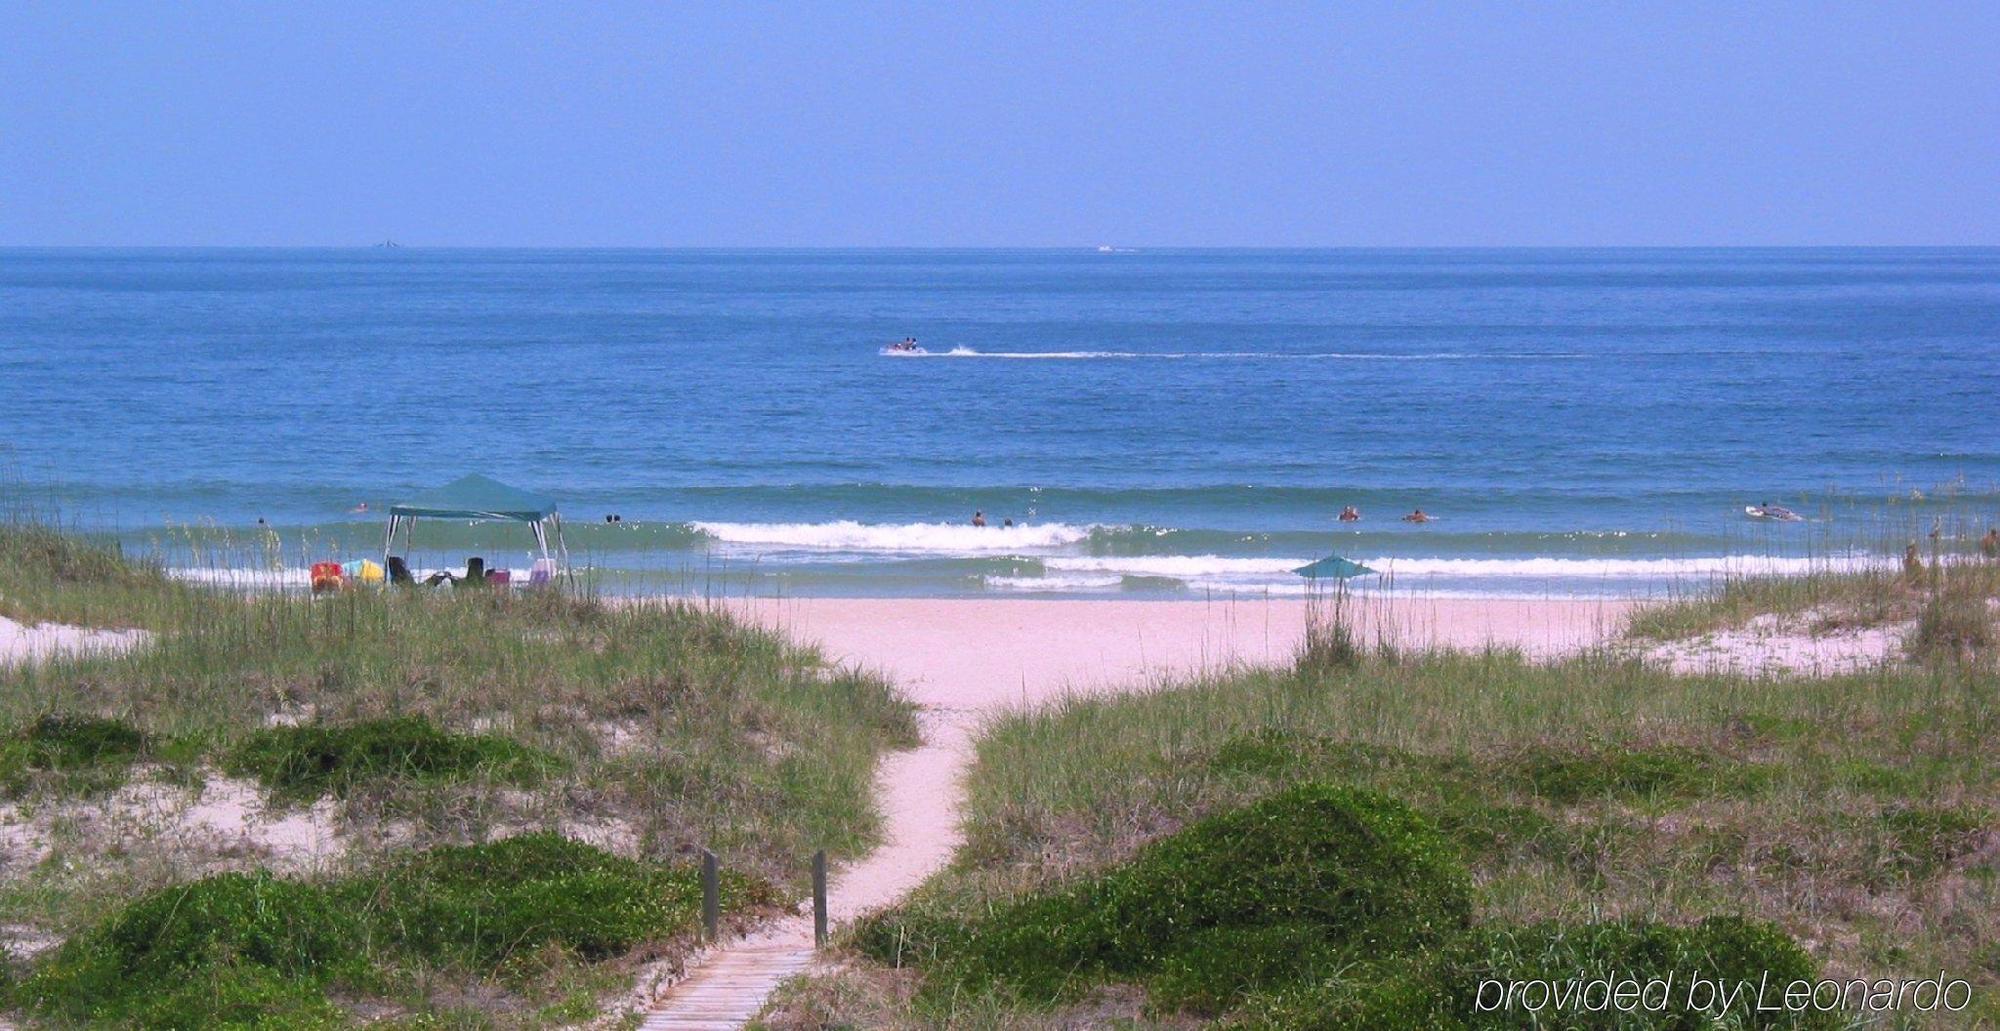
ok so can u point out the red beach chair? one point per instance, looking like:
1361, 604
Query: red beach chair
327, 578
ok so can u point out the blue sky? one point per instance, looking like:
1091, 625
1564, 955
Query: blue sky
799, 124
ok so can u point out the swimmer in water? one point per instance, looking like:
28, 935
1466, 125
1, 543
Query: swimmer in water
979, 519
1416, 516
1350, 514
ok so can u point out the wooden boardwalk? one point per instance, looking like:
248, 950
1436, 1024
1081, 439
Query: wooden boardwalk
730, 984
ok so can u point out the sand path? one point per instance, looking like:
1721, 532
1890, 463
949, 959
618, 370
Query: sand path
965, 659
29, 642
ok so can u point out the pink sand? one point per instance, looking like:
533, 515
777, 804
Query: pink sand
965, 659
962, 659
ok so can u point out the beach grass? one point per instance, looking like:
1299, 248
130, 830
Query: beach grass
397, 720
1827, 599
1858, 816
48, 573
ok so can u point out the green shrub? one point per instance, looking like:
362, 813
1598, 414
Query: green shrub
1319, 907
1439, 989
1271, 752
1213, 970
478, 905
1488, 829
1355, 869
256, 950
1731, 949
307, 761
1642, 773
242, 997
91, 752
72, 740
1401, 992
195, 952
1265, 753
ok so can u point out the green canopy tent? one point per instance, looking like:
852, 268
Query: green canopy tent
477, 498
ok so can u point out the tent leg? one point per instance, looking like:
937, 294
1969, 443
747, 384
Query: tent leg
562, 550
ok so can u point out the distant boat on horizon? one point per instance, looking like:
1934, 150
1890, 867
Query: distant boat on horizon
388, 243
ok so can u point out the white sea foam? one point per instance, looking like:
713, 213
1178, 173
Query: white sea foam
1179, 567
1054, 583
1216, 570
1649, 568
246, 579
916, 538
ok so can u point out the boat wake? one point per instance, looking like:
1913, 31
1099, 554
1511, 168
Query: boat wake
1365, 356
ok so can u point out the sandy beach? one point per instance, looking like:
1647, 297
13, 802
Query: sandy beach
963, 660
976, 653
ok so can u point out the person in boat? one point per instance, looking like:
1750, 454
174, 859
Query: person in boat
979, 519
1416, 516
1350, 514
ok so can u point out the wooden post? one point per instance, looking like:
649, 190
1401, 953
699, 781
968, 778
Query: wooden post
711, 896
819, 899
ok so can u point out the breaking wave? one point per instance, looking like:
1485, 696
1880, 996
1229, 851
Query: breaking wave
915, 538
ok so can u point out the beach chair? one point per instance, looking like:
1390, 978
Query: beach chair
326, 577
399, 572
475, 572
542, 573
499, 577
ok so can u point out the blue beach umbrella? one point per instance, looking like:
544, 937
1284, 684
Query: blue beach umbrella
1333, 567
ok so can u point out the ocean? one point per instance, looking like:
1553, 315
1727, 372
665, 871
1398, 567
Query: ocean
1161, 423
